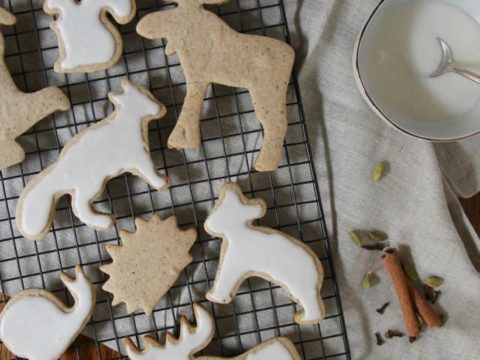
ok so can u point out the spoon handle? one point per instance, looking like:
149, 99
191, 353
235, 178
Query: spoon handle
468, 75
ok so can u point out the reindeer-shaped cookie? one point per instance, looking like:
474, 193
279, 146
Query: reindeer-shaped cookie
20, 111
194, 339
249, 250
115, 145
88, 41
36, 325
211, 52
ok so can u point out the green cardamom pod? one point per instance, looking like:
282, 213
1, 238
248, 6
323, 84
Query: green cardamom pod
356, 237
367, 281
376, 235
411, 272
379, 171
434, 281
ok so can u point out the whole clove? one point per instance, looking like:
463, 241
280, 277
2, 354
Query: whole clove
379, 338
393, 333
375, 247
381, 309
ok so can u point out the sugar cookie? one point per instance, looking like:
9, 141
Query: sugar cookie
194, 339
249, 250
36, 325
87, 40
20, 111
148, 263
211, 52
113, 146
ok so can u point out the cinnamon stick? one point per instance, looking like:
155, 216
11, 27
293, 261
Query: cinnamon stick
392, 264
431, 319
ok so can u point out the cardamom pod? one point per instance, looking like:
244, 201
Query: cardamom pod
356, 237
411, 272
420, 320
434, 281
379, 171
376, 235
367, 281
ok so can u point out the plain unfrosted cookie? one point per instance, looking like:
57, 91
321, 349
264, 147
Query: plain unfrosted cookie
148, 263
87, 40
111, 147
20, 111
194, 339
36, 325
249, 250
211, 52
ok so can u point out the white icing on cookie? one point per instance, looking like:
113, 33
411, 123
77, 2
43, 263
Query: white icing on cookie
249, 250
116, 145
87, 38
194, 339
37, 325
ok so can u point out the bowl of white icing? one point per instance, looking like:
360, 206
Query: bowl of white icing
398, 50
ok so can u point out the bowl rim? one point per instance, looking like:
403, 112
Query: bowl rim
376, 109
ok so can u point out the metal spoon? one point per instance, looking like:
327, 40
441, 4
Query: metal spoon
448, 65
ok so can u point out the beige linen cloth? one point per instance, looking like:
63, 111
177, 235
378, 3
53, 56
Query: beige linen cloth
416, 204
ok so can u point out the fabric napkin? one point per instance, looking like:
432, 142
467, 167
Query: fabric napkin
416, 204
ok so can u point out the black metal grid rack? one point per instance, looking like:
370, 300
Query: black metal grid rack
231, 137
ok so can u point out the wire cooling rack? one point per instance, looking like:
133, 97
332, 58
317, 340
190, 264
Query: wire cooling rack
231, 138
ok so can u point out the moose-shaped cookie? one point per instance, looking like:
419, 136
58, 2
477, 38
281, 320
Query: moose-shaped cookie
36, 325
111, 147
211, 52
194, 339
20, 111
88, 41
249, 250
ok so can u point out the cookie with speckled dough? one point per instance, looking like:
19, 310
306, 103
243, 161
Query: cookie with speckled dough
87, 39
212, 52
19, 111
148, 262
194, 339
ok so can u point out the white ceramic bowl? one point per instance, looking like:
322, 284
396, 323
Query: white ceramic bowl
396, 52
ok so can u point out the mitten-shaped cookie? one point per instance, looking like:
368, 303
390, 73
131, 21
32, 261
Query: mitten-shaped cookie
249, 250
88, 41
194, 339
36, 325
20, 111
211, 52
111, 147
148, 262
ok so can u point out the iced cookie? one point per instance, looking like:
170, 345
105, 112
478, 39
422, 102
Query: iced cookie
194, 339
35, 324
148, 263
249, 250
211, 52
20, 111
111, 147
88, 41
